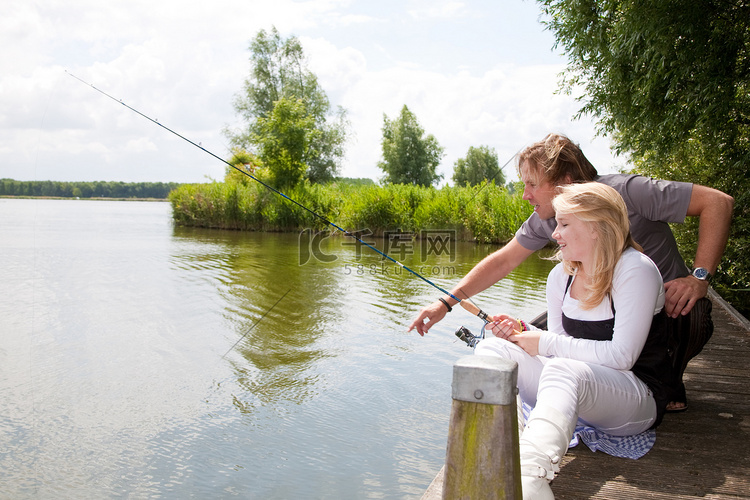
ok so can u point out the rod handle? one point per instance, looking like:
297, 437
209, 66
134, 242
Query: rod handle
474, 310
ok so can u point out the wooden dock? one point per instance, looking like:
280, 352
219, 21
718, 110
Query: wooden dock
702, 453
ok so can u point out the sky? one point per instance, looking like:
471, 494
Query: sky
475, 73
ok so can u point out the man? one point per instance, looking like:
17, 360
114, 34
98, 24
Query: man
652, 204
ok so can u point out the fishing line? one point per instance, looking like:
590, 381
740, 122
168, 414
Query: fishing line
487, 182
344, 231
255, 324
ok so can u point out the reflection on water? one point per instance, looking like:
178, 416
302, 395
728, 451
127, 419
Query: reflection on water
118, 375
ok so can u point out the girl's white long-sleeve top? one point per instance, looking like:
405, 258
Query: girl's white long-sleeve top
637, 294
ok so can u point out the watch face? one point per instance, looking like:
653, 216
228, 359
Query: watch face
700, 273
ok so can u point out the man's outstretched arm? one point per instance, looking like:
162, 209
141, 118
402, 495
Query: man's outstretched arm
486, 273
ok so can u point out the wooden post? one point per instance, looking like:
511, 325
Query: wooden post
482, 458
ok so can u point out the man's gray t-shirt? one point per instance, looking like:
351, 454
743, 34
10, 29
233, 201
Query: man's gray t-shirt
651, 203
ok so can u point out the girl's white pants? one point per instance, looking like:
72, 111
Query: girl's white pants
614, 401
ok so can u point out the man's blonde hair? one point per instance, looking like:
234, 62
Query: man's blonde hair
604, 210
554, 158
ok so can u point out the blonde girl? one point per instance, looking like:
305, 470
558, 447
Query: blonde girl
604, 354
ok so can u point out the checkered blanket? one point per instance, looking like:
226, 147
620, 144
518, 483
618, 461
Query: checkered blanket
618, 446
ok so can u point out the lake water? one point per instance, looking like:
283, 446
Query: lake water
120, 377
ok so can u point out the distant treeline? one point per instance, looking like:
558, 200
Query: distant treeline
94, 189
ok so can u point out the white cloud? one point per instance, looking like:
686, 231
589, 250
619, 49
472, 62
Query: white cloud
182, 63
445, 9
506, 107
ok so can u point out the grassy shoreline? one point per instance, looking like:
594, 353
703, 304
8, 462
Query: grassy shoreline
486, 214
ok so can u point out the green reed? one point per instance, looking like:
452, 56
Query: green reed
488, 213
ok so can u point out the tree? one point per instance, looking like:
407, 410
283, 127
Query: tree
669, 81
480, 165
657, 73
242, 161
279, 77
283, 137
409, 157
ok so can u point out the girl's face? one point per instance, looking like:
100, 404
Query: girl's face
575, 237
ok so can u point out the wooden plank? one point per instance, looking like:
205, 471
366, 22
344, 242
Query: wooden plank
435, 490
701, 453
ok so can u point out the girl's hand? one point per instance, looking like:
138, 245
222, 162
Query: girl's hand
503, 326
528, 341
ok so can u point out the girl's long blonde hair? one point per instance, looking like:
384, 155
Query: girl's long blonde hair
604, 210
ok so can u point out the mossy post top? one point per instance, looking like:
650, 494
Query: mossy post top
485, 379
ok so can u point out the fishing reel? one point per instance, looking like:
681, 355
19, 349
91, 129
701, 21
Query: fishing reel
465, 335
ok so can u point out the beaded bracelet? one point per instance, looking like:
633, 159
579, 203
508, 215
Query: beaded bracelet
524, 327
446, 304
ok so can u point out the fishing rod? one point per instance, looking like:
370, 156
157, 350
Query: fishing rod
473, 309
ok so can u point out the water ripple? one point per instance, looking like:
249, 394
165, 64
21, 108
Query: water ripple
143, 360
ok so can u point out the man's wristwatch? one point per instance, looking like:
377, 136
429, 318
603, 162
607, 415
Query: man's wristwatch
702, 274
